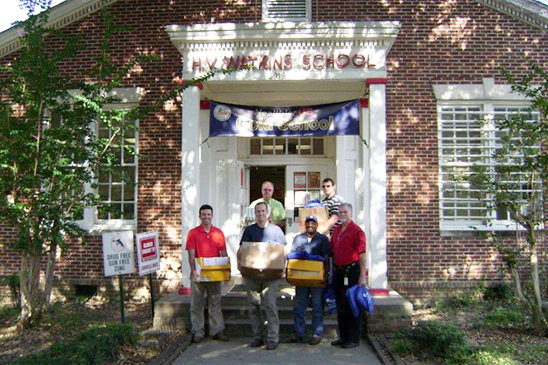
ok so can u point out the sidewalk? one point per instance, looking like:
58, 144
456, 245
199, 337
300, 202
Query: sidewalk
237, 351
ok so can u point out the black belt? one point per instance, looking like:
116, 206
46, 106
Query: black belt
346, 267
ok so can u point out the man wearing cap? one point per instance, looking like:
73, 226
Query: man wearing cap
348, 246
313, 243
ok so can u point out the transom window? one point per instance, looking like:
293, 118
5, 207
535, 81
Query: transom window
287, 146
468, 137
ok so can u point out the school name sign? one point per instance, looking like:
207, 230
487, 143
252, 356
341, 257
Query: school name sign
319, 120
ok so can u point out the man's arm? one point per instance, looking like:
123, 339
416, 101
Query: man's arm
326, 227
192, 262
363, 278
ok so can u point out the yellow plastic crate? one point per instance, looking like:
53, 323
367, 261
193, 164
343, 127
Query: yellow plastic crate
305, 273
213, 268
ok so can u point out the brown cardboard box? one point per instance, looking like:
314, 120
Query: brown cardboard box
262, 260
320, 214
305, 273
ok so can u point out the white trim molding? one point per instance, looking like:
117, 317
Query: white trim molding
61, 15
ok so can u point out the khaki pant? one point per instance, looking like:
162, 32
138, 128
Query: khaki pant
198, 299
267, 292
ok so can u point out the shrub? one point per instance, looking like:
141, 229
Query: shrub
436, 340
97, 345
501, 292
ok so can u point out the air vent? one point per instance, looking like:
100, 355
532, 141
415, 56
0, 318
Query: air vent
286, 10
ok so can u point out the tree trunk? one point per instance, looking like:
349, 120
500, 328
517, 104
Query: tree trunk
52, 260
31, 298
539, 322
517, 285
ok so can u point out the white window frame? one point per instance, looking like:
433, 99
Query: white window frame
487, 97
129, 98
268, 16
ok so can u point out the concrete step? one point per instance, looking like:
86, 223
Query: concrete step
390, 311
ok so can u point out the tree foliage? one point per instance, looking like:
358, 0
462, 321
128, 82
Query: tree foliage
516, 185
50, 151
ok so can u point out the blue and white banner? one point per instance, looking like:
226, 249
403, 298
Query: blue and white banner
318, 120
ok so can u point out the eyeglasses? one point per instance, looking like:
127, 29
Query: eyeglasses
326, 186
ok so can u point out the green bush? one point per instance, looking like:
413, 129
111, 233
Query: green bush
501, 292
436, 340
8, 314
97, 345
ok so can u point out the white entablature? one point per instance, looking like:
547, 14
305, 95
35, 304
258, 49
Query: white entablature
290, 51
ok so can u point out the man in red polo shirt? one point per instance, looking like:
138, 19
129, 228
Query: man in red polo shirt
205, 241
348, 246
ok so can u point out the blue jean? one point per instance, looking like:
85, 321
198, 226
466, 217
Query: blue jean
299, 310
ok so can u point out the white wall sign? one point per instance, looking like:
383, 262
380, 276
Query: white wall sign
118, 253
148, 253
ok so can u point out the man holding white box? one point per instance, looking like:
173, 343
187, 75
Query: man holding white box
205, 241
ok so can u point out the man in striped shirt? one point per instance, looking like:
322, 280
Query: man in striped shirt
332, 202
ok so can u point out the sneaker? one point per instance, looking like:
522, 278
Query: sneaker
296, 338
257, 342
338, 342
197, 338
350, 345
315, 340
221, 337
271, 345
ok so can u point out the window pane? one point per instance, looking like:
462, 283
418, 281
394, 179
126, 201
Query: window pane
317, 146
292, 144
255, 146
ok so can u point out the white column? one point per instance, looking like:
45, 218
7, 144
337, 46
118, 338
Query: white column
190, 174
366, 197
377, 172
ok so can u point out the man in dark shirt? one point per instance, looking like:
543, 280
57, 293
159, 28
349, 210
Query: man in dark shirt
257, 289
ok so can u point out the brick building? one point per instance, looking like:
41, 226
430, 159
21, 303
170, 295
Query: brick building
422, 73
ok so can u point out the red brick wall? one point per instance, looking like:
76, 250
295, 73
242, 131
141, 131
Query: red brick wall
439, 42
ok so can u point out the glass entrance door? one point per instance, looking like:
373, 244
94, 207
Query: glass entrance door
303, 184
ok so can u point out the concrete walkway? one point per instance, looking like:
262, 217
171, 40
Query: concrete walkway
237, 351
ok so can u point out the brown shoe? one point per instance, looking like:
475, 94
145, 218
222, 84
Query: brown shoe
197, 339
221, 337
296, 338
315, 340
257, 342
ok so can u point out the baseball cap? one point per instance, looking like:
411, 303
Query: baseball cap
311, 218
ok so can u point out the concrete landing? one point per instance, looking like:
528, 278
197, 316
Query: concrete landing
237, 351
